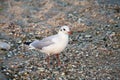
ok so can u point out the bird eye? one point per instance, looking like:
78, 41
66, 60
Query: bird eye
63, 29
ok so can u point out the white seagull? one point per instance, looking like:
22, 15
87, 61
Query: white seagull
53, 44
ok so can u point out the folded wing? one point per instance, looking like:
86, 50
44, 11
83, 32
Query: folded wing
39, 44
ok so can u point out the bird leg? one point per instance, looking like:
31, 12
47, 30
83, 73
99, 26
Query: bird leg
57, 56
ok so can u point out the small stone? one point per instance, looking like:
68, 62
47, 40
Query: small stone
56, 72
4, 46
63, 74
88, 36
73, 66
108, 78
107, 26
97, 54
77, 51
80, 20
19, 41
112, 34
41, 69
7, 73
15, 75
87, 55
118, 17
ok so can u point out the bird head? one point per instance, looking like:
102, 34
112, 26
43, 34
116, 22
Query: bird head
65, 30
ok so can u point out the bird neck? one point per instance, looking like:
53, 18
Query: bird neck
63, 35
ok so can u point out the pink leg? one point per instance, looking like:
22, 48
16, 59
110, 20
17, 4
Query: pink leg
57, 56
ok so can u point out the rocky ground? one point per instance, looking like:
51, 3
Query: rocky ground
93, 52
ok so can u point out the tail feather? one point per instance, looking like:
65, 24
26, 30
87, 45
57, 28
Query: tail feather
27, 43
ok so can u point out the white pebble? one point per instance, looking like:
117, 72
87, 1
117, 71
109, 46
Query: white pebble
4, 45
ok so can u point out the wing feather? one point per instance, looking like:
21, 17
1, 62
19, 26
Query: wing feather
39, 44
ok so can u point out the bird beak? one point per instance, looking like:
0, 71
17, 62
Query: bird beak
69, 32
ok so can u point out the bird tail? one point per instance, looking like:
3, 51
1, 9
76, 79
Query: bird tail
27, 43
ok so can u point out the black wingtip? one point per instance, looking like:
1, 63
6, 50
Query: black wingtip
27, 43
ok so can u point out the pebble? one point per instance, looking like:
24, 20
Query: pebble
56, 72
4, 45
80, 20
41, 69
76, 51
112, 34
88, 36
63, 74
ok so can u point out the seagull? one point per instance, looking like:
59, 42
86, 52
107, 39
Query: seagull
53, 44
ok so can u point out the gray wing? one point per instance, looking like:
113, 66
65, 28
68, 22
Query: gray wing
39, 44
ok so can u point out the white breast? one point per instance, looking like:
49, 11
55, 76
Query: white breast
60, 44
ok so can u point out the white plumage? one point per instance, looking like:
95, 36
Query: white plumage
53, 44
